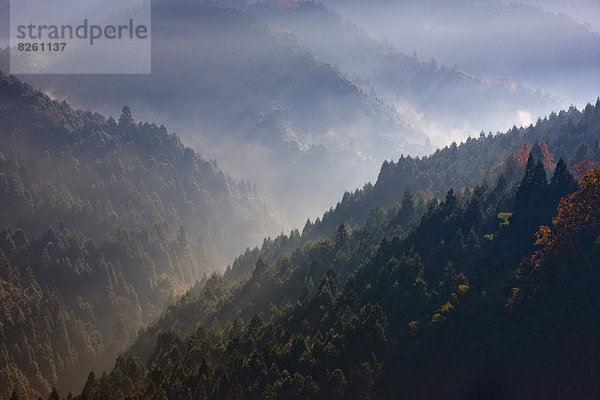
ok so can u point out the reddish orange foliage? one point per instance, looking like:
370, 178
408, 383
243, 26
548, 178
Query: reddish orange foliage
580, 169
413, 327
520, 159
516, 163
547, 157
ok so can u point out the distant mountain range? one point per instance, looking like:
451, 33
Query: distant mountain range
530, 42
445, 103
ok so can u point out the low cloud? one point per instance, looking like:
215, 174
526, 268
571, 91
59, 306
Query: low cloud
523, 118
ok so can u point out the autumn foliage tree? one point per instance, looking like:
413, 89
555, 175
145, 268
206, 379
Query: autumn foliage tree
540, 152
570, 250
580, 169
515, 163
558, 296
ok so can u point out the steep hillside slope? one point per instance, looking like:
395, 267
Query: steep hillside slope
101, 221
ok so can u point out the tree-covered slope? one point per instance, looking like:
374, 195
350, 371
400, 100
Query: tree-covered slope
428, 314
99, 173
102, 221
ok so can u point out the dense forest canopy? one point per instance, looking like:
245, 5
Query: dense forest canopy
382, 320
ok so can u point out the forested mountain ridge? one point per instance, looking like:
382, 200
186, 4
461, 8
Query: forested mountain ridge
98, 158
102, 221
402, 304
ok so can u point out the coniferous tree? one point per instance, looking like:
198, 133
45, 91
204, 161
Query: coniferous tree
562, 182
